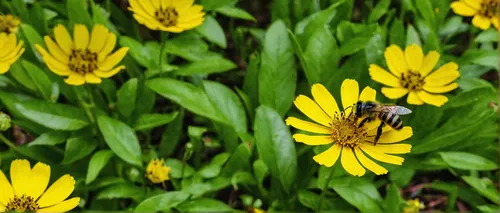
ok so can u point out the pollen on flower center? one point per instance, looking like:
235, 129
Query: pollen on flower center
82, 61
412, 80
22, 204
345, 130
8, 24
168, 16
489, 8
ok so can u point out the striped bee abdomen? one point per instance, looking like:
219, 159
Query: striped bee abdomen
391, 119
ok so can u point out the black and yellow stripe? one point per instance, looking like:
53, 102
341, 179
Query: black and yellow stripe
391, 119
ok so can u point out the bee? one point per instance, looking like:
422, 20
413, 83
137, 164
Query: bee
387, 113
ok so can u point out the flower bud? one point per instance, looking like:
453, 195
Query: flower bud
5, 122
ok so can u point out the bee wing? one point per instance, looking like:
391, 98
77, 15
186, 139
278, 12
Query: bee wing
400, 110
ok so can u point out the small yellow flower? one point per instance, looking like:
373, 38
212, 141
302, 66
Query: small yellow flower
350, 141
9, 24
485, 12
10, 51
411, 74
29, 192
86, 58
167, 15
413, 206
157, 172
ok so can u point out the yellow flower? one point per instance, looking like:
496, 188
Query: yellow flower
86, 58
10, 51
157, 172
29, 192
413, 206
411, 74
9, 23
485, 12
256, 210
167, 15
350, 141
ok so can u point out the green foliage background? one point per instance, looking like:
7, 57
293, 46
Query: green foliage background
215, 110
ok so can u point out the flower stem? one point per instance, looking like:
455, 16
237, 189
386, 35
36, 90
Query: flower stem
324, 189
163, 38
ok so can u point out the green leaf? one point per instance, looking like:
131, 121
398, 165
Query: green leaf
397, 33
490, 35
355, 44
358, 199
77, 12
162, 202
38, 18
97, 163
40, 79
121, 190
468, 161
305, 28
121, 139
239, 161
78, 148
321, 55
412, 36
275, 146
32, 36
207, 65
190, 47
126, 96
137, 51
53, 116
380, 10
251, 81
426, 10
484, 186
150, 121
235, 12
212, 31
209, 5
188, 96
172, 135
393, 199
280, 10
204, 205
50, 138
402, 175
277, 75
176, 167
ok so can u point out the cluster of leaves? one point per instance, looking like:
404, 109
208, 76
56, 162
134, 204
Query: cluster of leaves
220, 126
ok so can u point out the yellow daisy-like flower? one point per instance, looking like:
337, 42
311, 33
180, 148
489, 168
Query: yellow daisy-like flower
157, 172
11, 51
29, 192
413, 206
167, 15
411, 74
485, 12
350, 141
86, 57
9, 23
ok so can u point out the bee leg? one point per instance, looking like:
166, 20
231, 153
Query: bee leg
364, 121
379, 133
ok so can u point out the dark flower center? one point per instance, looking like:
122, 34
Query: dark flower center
82, 61
345, 130
22, 204
168, 16
489, 8
8, 24
412, 80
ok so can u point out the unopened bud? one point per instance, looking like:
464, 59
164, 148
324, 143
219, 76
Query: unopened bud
5, 122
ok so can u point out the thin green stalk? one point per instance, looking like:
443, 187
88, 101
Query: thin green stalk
9, 143
324, 189
163, 38
85, 105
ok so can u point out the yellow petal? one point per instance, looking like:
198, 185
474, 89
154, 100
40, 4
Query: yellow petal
98, 38
156, 3
307, 126
7, 192
350, 93
462, 9
55, 51
391, 148
381, 156
136, 7
54, 65
147, 6
371, 126
369, 164
430, 61
394, 136
494, 21
313, 140
350, 163
172, 29
394, 93
436, 100
368, 94
166, 3
414, 57
91, 78
11, 57
3, 38
443, 76
474, 4
4, 67
14, 59
312, 110
184, 4
108, 46
58, 191
190, 24
414, 99
63, 38
2, 208
190, 15
481, 22
40, 175
150, 23
378, 74
441, 89
328, 157
65, 206
20, 171
81, 36
75, 79
325, 100
107, 74
395, 59
113, 59
9, 45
